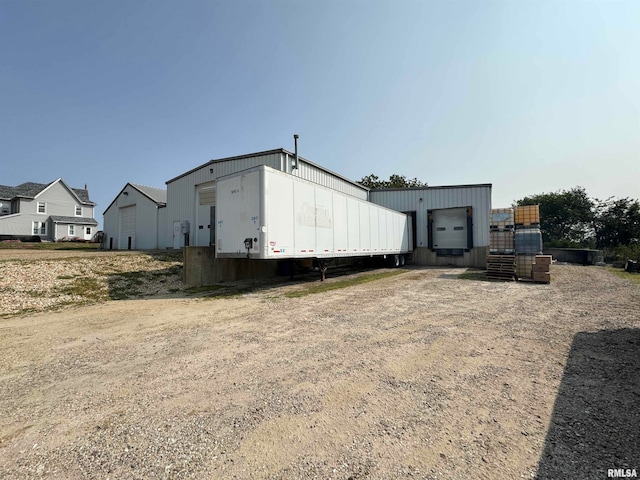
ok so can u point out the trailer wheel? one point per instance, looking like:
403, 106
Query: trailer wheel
402, 260
396, 261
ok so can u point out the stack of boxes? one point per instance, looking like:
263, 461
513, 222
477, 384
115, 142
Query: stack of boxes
540, 269
501, 259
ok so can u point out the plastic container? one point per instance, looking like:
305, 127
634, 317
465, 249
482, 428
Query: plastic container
524, 266
501, 242
501, 219
527, 215
528, 241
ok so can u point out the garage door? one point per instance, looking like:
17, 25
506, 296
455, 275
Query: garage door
127, 228
450, 228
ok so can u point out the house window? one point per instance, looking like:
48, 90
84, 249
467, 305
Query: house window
72, 230
42, 207
78, 211
39, 228
88, 230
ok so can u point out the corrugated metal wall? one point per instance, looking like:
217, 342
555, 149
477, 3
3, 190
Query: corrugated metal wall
317, 175
181, 192
421, 200
182, 200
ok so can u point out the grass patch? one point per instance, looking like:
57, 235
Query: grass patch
49, 246
326, 286
619, 272
132, 278
473, 274
168, 256
85, 287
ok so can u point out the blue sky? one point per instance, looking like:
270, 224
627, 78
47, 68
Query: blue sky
529, 96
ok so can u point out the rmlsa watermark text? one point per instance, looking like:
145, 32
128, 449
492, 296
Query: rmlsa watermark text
622, 473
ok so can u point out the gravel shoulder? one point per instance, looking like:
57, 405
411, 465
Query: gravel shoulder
420, 375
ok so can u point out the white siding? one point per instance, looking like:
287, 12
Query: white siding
147, 228
127, 229
421, 200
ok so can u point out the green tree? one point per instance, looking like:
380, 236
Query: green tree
395, 181
566, 217
617, 223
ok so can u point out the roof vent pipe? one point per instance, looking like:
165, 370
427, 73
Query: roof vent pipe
295, 140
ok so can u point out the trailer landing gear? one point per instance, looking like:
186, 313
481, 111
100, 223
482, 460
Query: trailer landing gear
322, 266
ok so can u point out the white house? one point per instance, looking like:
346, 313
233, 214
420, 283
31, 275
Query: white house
136, 219
51, 212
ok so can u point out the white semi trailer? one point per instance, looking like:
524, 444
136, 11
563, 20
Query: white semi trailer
263, 213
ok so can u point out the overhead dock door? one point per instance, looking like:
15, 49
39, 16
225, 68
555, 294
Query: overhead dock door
450, 230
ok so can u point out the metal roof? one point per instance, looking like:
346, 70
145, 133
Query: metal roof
157, 195
429, 187
268, 152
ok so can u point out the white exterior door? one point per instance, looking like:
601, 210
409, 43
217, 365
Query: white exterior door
177, 234
127, 228
450, 228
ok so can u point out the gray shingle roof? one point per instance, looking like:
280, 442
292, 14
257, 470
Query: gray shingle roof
31, 189
28, 189
74, 220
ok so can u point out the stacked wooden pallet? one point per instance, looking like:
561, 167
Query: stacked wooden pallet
501, 267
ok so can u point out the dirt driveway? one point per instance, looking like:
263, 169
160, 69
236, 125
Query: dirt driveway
421, 375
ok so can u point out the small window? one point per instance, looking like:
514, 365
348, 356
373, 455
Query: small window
441, 229
72, 230
39, 228
88, 230
42, 207
458, 228
78, 211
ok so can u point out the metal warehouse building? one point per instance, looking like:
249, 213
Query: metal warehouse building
191, 197
451, 223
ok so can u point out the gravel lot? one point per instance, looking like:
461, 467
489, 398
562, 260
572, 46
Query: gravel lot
421, 375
